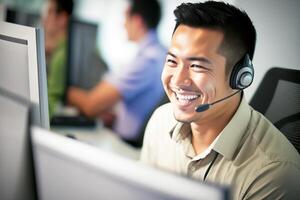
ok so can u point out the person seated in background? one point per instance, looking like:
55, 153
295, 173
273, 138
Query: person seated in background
136, 88
55, 21
208, 131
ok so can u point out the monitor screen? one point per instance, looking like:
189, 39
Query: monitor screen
85, 66
69, 169
19, 16
16, 164
23, 68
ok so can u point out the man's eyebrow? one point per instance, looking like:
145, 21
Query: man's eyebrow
192, 58
201, 59
171, 54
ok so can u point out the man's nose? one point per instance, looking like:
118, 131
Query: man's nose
181, 76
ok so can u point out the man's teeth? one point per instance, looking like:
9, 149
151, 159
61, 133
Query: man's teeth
186, 97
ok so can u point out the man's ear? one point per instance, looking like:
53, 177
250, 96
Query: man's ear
138, 21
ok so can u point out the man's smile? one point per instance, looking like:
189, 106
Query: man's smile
185, 97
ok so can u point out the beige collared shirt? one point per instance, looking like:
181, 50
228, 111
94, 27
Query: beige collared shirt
250, 154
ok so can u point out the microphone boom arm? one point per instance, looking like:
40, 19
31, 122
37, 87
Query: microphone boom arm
206, 106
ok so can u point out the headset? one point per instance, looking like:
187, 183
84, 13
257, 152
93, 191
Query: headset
242, 73
241, 77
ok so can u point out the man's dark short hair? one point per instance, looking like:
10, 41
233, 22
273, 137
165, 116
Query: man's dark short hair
235, 24
64, 6
149, 10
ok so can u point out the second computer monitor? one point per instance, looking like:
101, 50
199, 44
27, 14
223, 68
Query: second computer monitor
85, 66
69, 169
23, 67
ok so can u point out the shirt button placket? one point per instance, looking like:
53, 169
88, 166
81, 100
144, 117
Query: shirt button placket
191, 168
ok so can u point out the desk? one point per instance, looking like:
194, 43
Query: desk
102, 138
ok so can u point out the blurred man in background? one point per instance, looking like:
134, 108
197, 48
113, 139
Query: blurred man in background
56, 20
136, 88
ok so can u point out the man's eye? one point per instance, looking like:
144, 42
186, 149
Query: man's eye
197, 67
171, 62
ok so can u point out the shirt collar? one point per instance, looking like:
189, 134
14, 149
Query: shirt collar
227, 141
181, 133
232, 134
208, 150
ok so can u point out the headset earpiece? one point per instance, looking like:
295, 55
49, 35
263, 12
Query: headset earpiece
242, 74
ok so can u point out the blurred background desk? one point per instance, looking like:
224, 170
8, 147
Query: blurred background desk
102, 138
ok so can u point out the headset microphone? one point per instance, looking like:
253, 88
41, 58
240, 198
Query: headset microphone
206, 106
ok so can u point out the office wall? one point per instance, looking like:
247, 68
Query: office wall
26, 5
278, 31
112, 40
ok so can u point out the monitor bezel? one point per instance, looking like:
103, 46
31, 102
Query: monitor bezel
36, 66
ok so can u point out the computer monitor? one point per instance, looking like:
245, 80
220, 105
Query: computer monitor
17, 179
22, 17
69, 169
23, 67
85, 67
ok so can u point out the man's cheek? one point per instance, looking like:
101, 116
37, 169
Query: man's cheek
209, 91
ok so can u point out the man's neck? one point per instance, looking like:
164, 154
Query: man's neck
204, 133
141, 34
60, 35
53, 41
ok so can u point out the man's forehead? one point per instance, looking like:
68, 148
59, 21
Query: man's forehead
198, 33
193, 40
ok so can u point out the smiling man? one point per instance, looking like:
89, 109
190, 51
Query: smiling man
208, 131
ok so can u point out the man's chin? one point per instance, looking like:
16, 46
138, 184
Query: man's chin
182, 117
